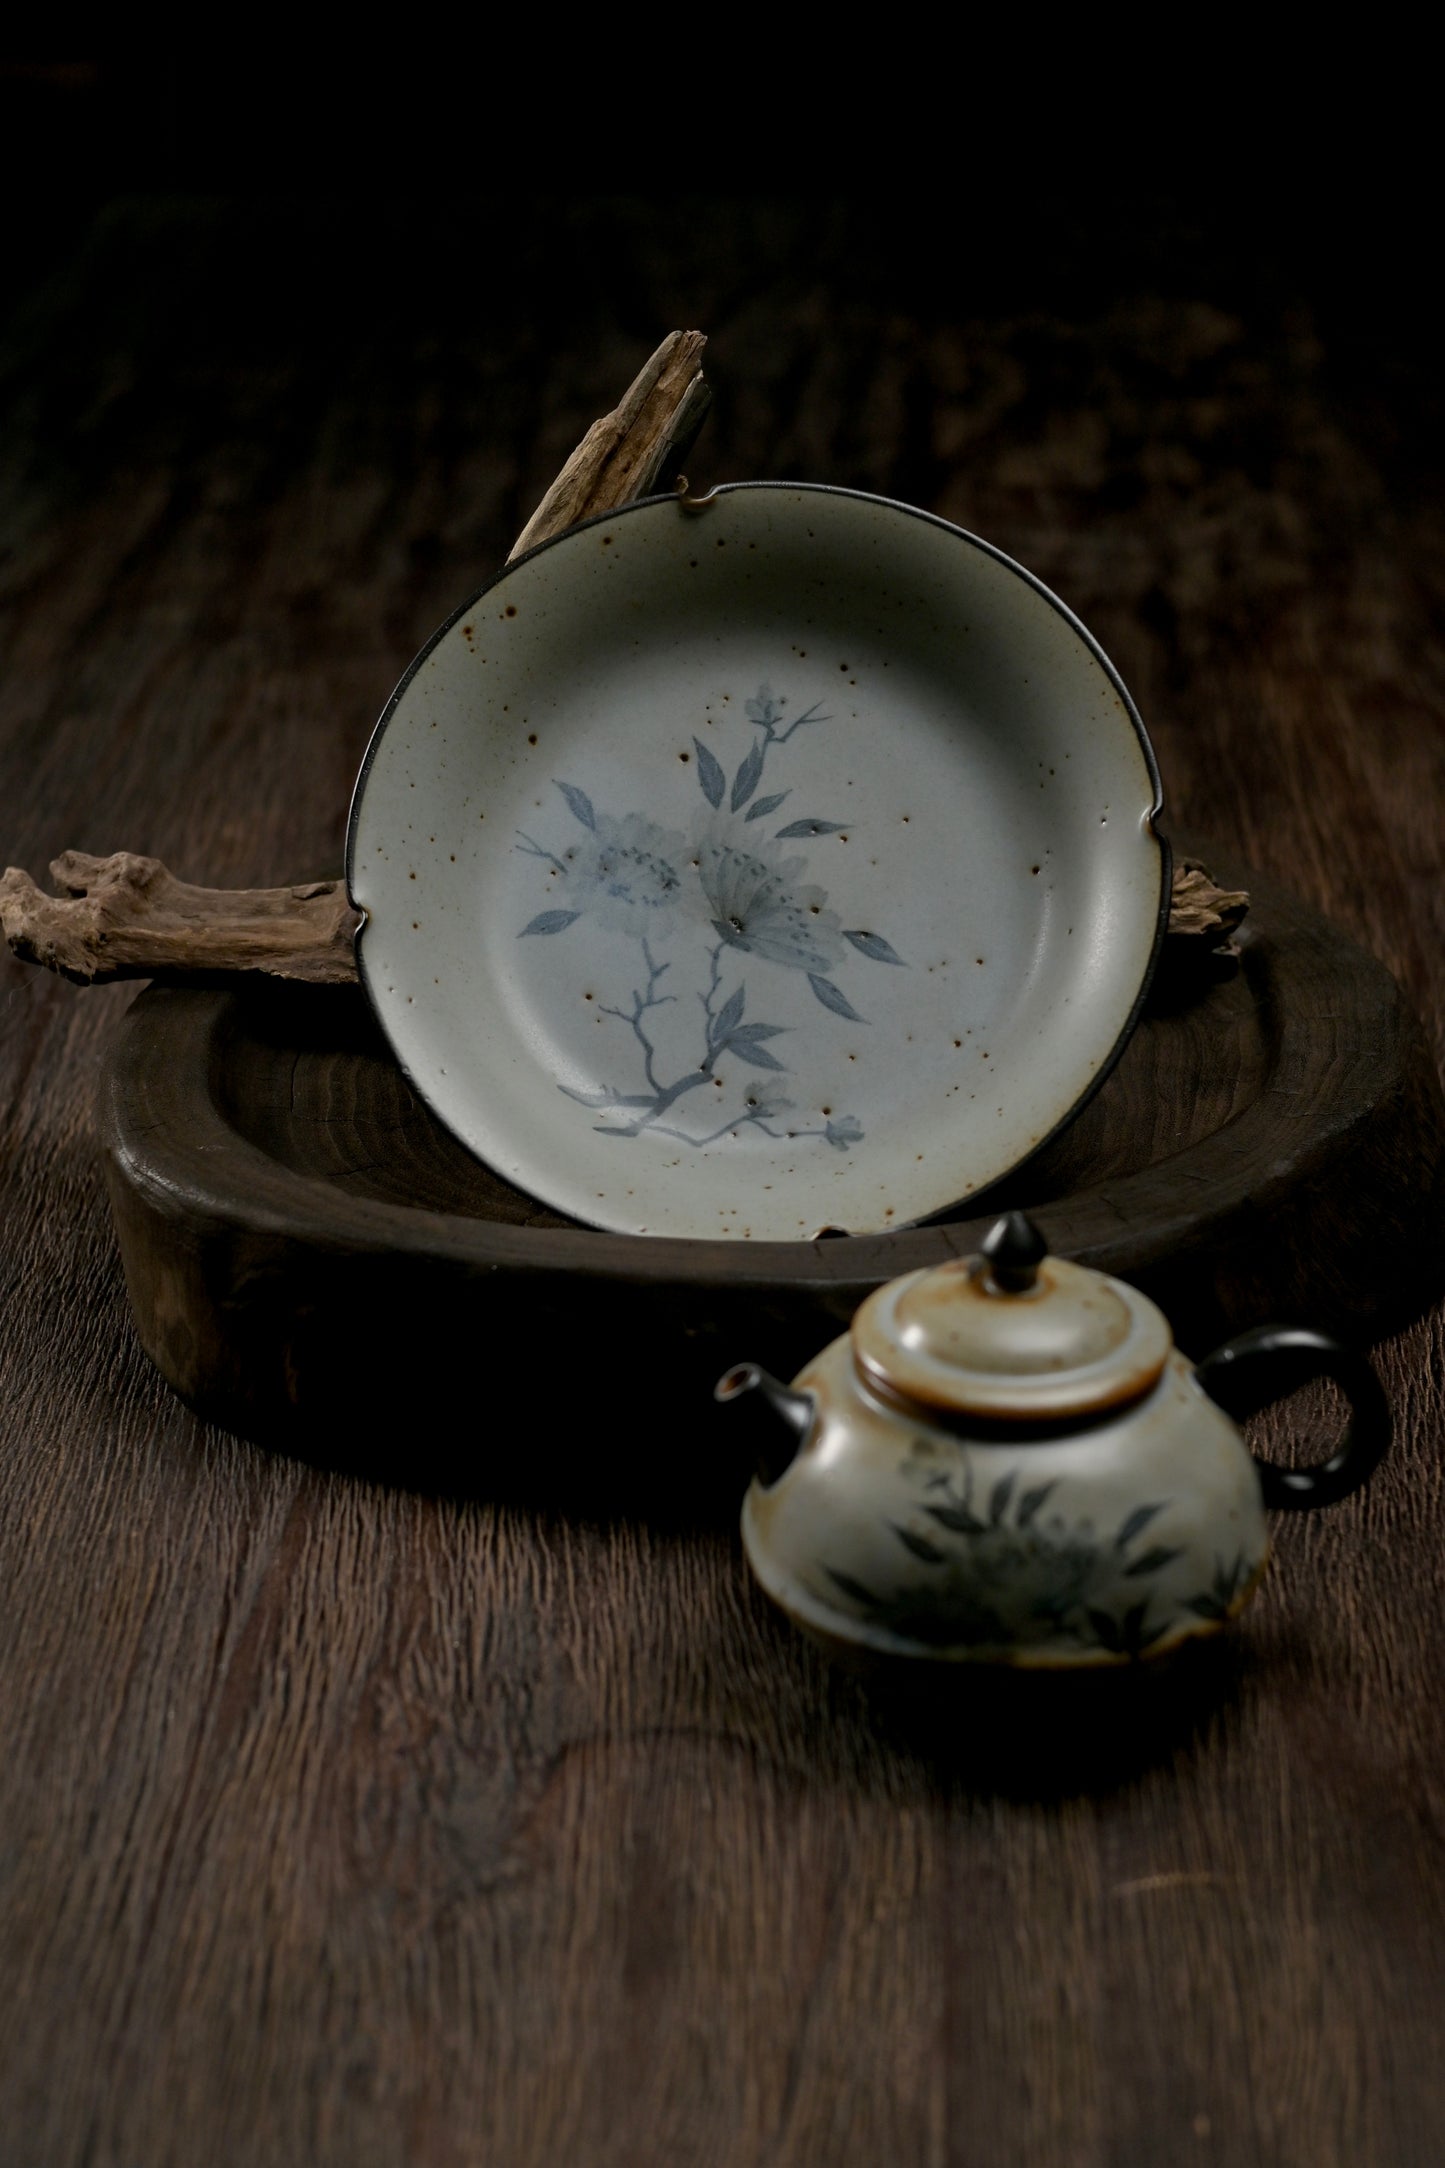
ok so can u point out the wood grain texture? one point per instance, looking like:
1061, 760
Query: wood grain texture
345, 1822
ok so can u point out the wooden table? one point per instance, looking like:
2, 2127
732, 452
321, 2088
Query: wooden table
342, 1824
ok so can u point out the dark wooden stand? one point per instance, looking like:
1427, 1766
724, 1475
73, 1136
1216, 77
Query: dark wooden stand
306, 1246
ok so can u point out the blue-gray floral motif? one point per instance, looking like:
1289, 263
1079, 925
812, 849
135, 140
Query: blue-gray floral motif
728, 890
1009, 1572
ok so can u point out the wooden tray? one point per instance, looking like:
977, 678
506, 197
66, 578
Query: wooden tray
309, 1254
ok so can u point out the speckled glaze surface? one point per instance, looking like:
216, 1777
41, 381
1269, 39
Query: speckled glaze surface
739, 871
1096, 1546
1072, 1344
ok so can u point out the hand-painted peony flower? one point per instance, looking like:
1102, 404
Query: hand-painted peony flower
624, 873
758, 903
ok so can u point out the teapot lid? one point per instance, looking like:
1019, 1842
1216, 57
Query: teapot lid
1012, 1334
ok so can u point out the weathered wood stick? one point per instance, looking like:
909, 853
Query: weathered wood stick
624, 455
1199, 909
127, 917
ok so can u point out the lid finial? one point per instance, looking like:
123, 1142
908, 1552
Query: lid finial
1015, 1249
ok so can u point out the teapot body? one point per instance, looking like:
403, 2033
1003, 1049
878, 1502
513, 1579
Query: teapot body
1088, 1544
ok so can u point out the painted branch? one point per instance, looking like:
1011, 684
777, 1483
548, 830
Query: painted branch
126, 917
626, 453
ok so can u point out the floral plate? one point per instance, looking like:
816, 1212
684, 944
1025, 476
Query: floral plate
740, 870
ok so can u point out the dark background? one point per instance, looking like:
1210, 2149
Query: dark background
343, 1823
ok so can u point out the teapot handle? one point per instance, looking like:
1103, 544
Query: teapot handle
1246, 1374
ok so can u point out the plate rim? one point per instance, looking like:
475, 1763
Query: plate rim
951, 1207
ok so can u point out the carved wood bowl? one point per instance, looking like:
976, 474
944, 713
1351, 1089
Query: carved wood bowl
307, 1248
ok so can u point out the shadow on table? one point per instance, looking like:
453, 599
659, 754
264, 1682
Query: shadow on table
1051, 1735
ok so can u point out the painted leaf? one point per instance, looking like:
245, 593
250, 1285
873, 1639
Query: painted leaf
958, 1518
754, 1032
1206, 1607
762, 807
1135, 1524
745, 782
853, 1588
874, 945
1106, 1631
1152, 1561
999, 1497
748, 1050
580, 803
1225, 1584
920, 1546
1031, 1501
728, 1017
810, 828
549, 922
1134, 1637
709, 774
834, 998
609, 1099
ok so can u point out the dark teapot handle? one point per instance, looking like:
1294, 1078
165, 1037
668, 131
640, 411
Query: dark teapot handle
1246, 1374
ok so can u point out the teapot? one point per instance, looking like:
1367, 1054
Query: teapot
1006, 1460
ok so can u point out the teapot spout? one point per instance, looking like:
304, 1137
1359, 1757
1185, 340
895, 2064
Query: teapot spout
775, 1456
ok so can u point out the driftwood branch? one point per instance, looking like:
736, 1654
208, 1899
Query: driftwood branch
626, 453
126, 917
1199, 909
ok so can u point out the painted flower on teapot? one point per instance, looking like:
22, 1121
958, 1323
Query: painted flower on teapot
1006, 1460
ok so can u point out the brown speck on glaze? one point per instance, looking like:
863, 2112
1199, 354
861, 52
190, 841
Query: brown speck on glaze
532, 739
685, 758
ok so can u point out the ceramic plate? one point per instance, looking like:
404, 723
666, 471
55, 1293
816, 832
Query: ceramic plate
738, 871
